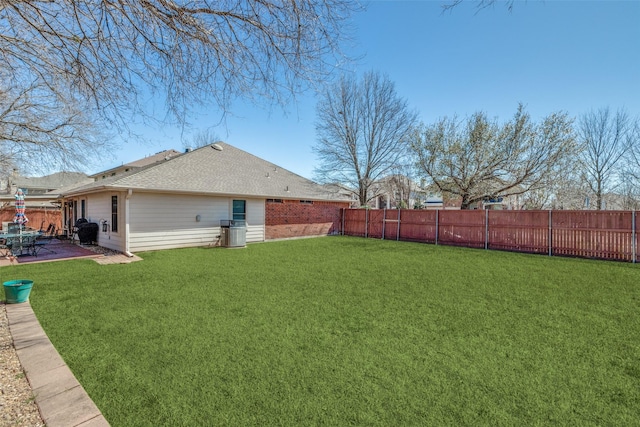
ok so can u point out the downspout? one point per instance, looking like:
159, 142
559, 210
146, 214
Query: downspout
126, 223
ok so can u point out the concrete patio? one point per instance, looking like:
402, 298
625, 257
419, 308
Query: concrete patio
60, 250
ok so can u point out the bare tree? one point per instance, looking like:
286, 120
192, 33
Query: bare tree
630, 191
401, 187
113, 52
560, 188
396, 188
480, 4
41, 129
480, 159
201, 139
363, 129
115, 57
559, 191
607, 138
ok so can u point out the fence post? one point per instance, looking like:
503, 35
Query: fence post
437, 225
384, 222
398, 228
633, 236
486, 228
366, 223
344, 213
550, 235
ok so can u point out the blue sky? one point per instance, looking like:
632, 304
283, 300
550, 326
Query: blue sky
553, 55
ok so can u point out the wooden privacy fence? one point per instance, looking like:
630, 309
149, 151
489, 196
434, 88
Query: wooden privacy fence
37, 217
609, 235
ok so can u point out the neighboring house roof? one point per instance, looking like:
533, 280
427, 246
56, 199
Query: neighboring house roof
50, 182
70, 186
42, 191
215, 169
149, 160
341, 189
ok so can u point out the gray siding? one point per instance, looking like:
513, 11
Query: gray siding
99, 209
255, 220
165, 221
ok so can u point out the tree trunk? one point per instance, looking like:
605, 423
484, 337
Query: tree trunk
465, 202
362, 196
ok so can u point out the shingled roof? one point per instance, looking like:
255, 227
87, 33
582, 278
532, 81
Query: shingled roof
155, 158
50, 182
217, 169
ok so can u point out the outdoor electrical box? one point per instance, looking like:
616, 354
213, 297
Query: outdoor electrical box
233, 233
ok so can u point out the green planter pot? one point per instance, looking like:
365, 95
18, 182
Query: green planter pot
17, 291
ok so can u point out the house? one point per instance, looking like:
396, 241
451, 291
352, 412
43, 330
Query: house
40, 191
344, 192
399, 191
42, 205
181, 201
433, 202
391, 192
395, 191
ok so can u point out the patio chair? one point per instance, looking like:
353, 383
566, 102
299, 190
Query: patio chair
4, 249
14, 228
29, 244
8, 246
42, 241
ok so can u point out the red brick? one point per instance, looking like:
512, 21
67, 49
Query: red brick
294, 219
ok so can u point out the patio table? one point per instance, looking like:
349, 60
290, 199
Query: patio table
17, 243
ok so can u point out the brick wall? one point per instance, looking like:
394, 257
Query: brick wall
291, 218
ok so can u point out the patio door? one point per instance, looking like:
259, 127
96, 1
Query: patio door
68, 217
72, 211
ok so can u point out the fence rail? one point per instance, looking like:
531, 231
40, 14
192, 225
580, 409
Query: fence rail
609, 235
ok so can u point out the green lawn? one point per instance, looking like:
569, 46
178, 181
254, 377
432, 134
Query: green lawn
347, 331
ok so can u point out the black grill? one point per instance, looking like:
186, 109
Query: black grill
87, 232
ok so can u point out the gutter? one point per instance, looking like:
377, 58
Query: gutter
126, 226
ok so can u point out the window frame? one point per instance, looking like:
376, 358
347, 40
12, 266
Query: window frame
114, 213
237, 215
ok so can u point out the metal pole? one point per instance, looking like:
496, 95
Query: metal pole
550, 235
384, 221
437, 225
486, 228
398, 229
366, 223
633, 236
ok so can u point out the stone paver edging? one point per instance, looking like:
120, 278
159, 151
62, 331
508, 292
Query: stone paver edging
61, 398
